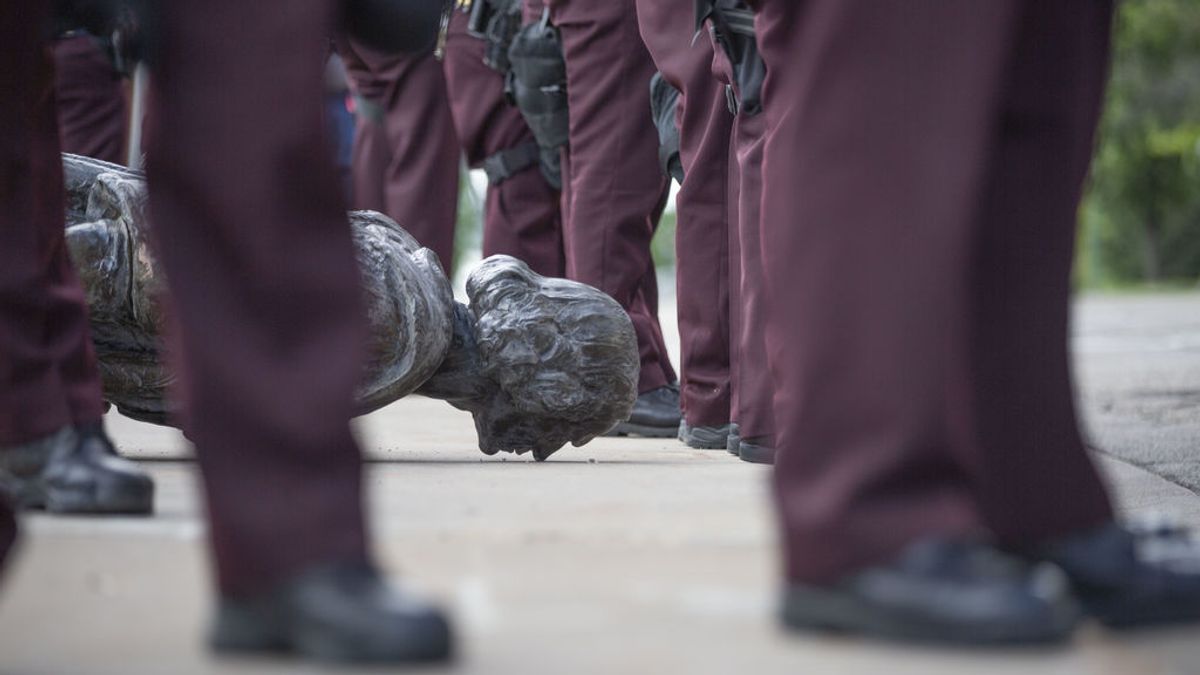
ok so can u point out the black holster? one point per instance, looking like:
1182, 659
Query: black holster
732, 24
664, 100
537, 85
496, 22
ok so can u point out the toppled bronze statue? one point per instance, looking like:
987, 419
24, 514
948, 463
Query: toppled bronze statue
538, 362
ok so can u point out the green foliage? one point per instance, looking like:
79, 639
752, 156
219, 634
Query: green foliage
1141, 216
468, 231
662, 247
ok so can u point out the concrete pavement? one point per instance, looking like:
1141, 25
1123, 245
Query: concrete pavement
1138, 368
625, 556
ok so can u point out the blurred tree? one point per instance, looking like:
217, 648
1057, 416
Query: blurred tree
468, 230
1142, 212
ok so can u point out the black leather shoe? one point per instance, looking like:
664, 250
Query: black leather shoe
756, 450
8, 536
734, 441
655, 415
1130, 577
340, 613
704, 438
943, 591
75, 471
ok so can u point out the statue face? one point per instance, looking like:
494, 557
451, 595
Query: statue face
563, 353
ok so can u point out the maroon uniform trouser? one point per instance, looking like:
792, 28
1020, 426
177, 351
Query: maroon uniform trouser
405, 158
253, 236
613, 188
923, 165
752, 388
521, 214
91, 100
48, 375
702, 208
752, 393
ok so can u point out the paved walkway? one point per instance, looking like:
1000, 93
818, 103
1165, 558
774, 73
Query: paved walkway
625, 556
1139, 371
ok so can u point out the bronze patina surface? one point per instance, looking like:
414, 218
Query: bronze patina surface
538, 362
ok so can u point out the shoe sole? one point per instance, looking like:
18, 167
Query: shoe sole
121, 500
244, 634
646, 431
756, 454
320, 647
333, 651
1135, 616
92, 500
813, 609
702, 439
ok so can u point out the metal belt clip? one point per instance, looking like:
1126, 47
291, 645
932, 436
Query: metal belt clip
478, 11
444, 28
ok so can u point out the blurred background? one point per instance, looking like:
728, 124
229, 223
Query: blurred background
1141, 217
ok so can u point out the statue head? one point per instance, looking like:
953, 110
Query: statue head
563, 354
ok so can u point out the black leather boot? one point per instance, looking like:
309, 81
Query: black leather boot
756, 450
655, 415
8, 535
1132, 576
339, 613
942, 591
704, 438
75, 470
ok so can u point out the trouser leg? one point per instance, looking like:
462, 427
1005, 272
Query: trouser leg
702, 209
369, 159
951, 385
420, 181
1035, 480
91, 101
26, 373
48, 374
735, 292
880, 121
615, 185
521, 213
254, 239
751, 403
755, 414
